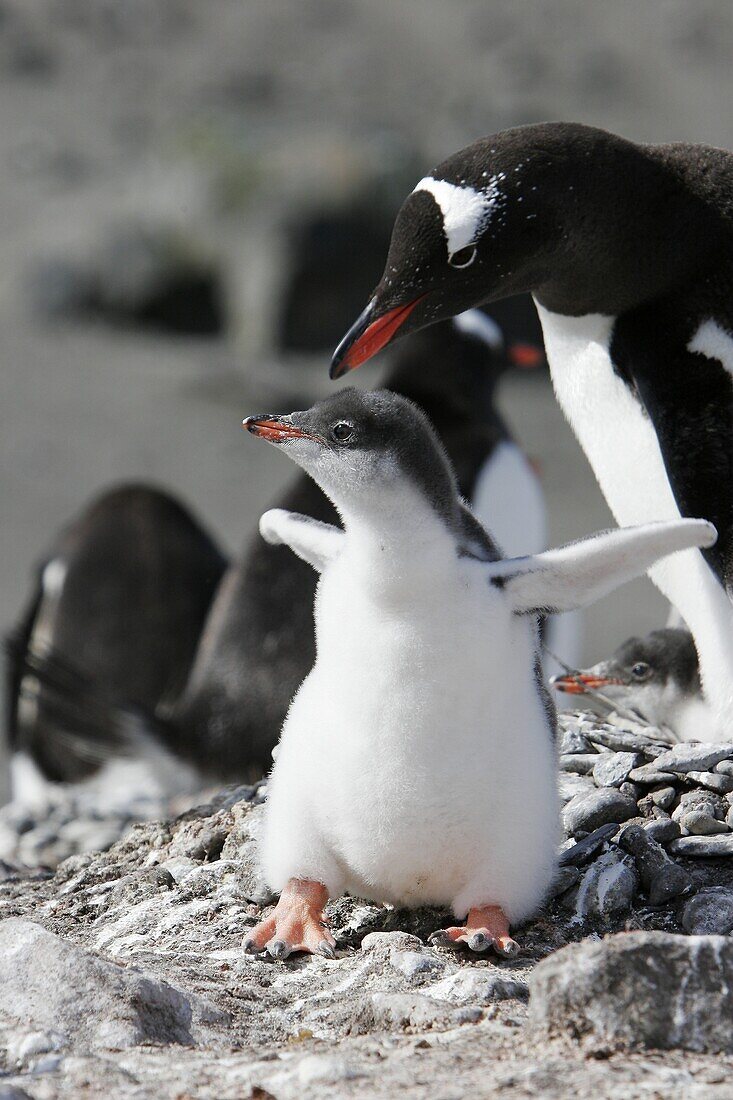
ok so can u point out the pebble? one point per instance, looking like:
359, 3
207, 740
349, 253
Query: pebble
661, 878
390, 941
570, 785
415, 964
710, 912
706, 801
471, 984
700, 823
613, 769
608, 886
598, 807
571, 740
565, 877
702, 846
624, 741
662, 829
321, 1069
579, 763
724, 767
650, 774
694, 756
585, 849
663, 797
712, 781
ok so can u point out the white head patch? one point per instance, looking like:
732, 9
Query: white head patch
465, 211
475, 323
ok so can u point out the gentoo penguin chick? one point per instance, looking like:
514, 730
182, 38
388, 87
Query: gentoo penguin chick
628, 250
658, 677
123, 595
421, 730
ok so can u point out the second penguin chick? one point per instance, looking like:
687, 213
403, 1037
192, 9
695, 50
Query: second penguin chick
657, 676
423, 730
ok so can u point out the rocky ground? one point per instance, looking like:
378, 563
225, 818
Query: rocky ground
121, 972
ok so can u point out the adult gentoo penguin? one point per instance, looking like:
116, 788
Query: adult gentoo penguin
628, 250
657, 676
422, 727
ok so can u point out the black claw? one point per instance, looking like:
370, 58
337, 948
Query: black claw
278, 949
510, 951
249, 945
479, 941
326, 949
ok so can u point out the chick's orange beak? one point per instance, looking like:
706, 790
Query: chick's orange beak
578, 683
273, 429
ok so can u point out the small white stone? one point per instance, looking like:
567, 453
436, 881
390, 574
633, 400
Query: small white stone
389, 941
325, 1067
414, 963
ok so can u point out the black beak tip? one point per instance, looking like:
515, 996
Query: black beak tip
336, 370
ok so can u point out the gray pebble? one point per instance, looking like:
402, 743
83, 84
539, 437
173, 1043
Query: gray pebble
613, 769
569, 785
580, 763
624, 741
706, 801
663, 797
721, 784
565, 877
598, 807
631, 790
710, 912
608, 886
663, 829
700, 823
694, 756
585, 849
661, 878
703, 846
571, 740
729, 818
724, 767
650, 774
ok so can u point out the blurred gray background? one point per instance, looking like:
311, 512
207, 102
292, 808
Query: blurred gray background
157, 161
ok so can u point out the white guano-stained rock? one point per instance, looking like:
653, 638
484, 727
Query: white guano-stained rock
638, 990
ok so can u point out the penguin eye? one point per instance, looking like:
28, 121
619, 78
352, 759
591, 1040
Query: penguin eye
640, 670
342, 431
464, 257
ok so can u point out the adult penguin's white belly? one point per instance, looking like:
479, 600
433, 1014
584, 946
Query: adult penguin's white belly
622, 448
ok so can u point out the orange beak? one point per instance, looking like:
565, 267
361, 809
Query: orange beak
274, 430
578, 683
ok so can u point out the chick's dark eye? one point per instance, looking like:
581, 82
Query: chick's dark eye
464, 257
640, 670
342, 432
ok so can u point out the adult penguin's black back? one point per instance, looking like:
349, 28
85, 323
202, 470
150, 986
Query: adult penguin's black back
628, 251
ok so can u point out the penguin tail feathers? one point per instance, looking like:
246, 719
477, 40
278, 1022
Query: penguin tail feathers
73, 712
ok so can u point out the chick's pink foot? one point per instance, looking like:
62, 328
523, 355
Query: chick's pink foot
296, 923
486, 927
